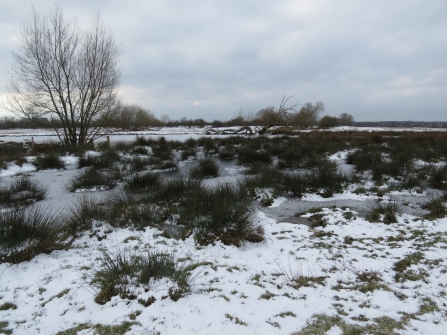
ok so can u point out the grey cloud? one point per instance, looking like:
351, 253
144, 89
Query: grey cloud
376, 60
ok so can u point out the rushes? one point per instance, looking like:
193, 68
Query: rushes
24, 233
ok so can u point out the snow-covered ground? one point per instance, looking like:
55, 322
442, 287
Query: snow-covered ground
351, 273
175, 133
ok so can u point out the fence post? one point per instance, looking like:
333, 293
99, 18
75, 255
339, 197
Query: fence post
108, 142
32, 142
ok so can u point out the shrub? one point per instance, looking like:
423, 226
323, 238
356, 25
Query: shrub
221, 213
121, 272
92, 180
49, 161
142, 182
22, 191
207, 168
27, 233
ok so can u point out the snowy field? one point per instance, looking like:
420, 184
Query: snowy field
175, 133
347, 276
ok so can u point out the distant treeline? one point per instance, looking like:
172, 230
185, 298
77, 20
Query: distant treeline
432, 124
134, 117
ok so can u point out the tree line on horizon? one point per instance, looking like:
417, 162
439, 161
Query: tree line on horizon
135, 117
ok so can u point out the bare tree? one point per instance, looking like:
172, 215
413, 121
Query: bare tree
65, 74
271, 117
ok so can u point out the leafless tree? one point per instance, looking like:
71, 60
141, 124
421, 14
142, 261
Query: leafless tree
271, 117
65, 74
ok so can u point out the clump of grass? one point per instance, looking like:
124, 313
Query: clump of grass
140, 151
120, 272
235, 319
92, 179
295, 278
227, 153
250, 156
7, 305
438, 178
85, 211
176, 189
142, 182
320, 324
207, 168
25, 233
221, 213
384, 211
99, 329
103, 162
4, 328
402, 273
187, 153
127, 209
138, 163
436, 207
49, 161
22, 191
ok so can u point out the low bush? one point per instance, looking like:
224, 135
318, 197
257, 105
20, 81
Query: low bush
22, 191
92, 180
25, 233
49, 161
207, 168
222, 213
125, 273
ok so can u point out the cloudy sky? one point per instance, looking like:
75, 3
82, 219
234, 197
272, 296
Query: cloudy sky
377, 60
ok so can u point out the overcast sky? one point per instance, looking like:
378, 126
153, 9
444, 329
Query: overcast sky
377, 60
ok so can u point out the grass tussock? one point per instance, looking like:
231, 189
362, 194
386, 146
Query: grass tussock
142, 182
383, 211
207, 168
93, 180
107, 160
22, 191
49, 161
25, 233
126, 274
221, 213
